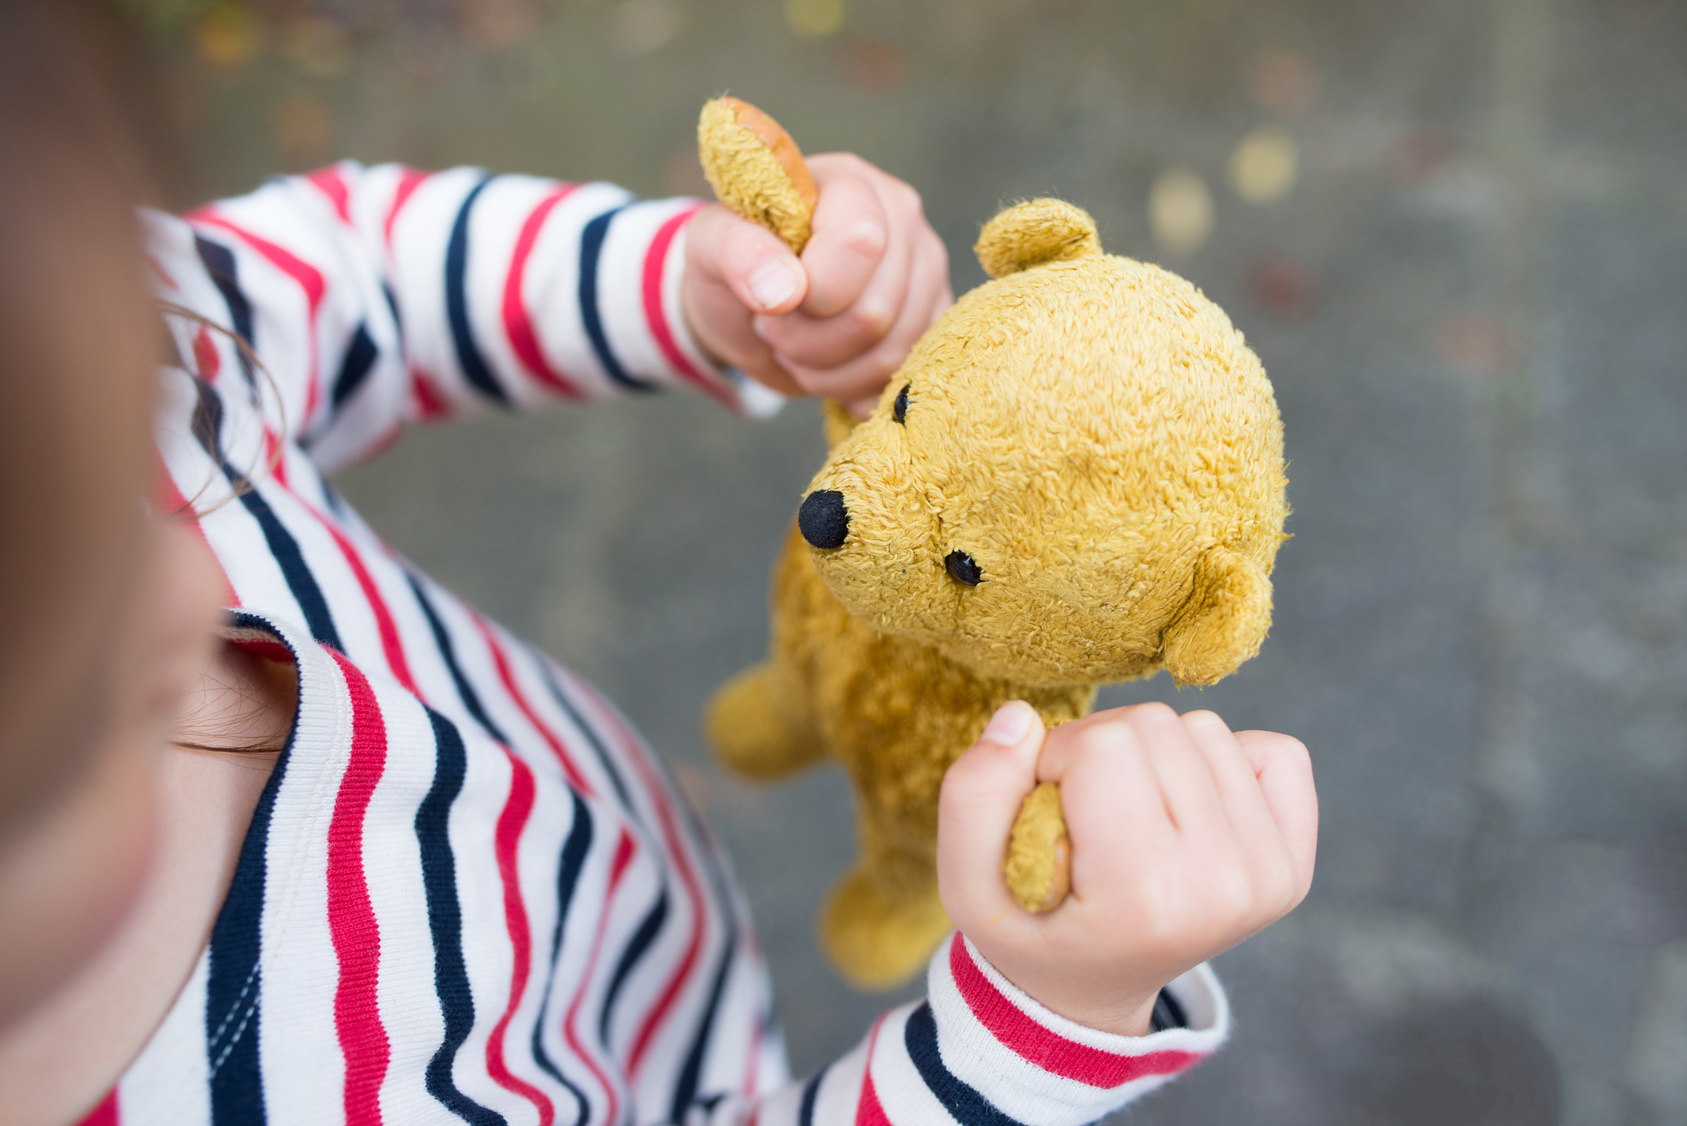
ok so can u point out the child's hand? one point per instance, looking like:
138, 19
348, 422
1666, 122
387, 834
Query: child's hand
841, 319
1185, 840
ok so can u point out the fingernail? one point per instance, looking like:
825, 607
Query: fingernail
1009, 725
773, 284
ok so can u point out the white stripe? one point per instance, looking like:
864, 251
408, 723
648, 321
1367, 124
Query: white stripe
902, 1092
839, 1095
304, 1076
621, 291
392, 865
168, 1084
551, 287
420, 237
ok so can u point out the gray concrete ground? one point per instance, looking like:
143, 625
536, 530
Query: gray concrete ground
1473, 303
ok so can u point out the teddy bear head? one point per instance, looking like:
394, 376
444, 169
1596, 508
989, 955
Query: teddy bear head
1076, 477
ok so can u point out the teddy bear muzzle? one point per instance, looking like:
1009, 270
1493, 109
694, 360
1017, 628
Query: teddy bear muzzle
823, 519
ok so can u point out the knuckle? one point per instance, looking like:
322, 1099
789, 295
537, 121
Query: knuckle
1152, 712
1234, 894
868, 320
865, 238
1202, 717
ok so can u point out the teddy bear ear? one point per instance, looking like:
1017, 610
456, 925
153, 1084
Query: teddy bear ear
1030, 234
1224, 621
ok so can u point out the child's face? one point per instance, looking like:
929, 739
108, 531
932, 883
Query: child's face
121, 606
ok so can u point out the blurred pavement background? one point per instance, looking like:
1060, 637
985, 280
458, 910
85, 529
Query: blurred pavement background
1455, 231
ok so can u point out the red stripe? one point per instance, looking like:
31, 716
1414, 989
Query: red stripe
206, 362
633, 750
655, 259
501, 661
625, 848
268, 650
163, 274
752, 1072
308, 277
391, 645
330, 183
506, 840
518, 326
351, 916
408, 181
1047, 1049
169, 503
429, 406
868, 1110
106, 1114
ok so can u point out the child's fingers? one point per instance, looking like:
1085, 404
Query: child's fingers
1114, 808
1178, 763
864, 374
1232, 773
825, 342
853, 231
749, 259
981, 795
1284, 770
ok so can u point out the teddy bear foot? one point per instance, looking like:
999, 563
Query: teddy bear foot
748, 733
876, 942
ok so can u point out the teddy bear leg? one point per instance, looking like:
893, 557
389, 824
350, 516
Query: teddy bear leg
883, 920
751, 734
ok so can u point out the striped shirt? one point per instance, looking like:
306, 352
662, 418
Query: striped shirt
470, 892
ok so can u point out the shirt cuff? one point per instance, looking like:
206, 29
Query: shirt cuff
1039, 1067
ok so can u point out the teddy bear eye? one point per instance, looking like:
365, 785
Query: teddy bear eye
899, 409
962, 568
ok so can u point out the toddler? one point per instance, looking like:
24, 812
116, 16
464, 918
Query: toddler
289, 833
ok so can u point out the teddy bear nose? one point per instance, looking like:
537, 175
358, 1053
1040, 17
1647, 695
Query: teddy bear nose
823, 520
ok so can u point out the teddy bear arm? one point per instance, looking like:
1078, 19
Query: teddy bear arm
761, 723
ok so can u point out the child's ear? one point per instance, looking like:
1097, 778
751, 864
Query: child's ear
1224, 621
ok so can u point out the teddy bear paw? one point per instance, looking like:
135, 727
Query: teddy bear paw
877, 940
749, 734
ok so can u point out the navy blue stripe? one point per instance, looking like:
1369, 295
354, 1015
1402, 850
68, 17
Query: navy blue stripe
469, 357
1168, 1012
207, 423
574, 850
685, 1089
359, 361
219, 263
602, 752
649, 927
445, 922
591, 251
234, 986
448, 653
960, 1099
285, 550
392, 305
805, 1113
207, 428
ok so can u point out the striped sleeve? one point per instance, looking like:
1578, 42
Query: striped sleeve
372, 297
979, 1052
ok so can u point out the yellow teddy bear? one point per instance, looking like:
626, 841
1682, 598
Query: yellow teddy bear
1077, 477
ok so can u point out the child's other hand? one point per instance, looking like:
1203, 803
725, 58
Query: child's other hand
841, 319
1185, 840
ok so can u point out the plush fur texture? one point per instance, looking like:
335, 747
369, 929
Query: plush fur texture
756, 169
1094, 442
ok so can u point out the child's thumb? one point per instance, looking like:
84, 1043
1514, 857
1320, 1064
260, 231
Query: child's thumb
982, 792
760, 270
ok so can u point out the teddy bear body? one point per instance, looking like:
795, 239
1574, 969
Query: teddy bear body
894, 713
1076, 478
